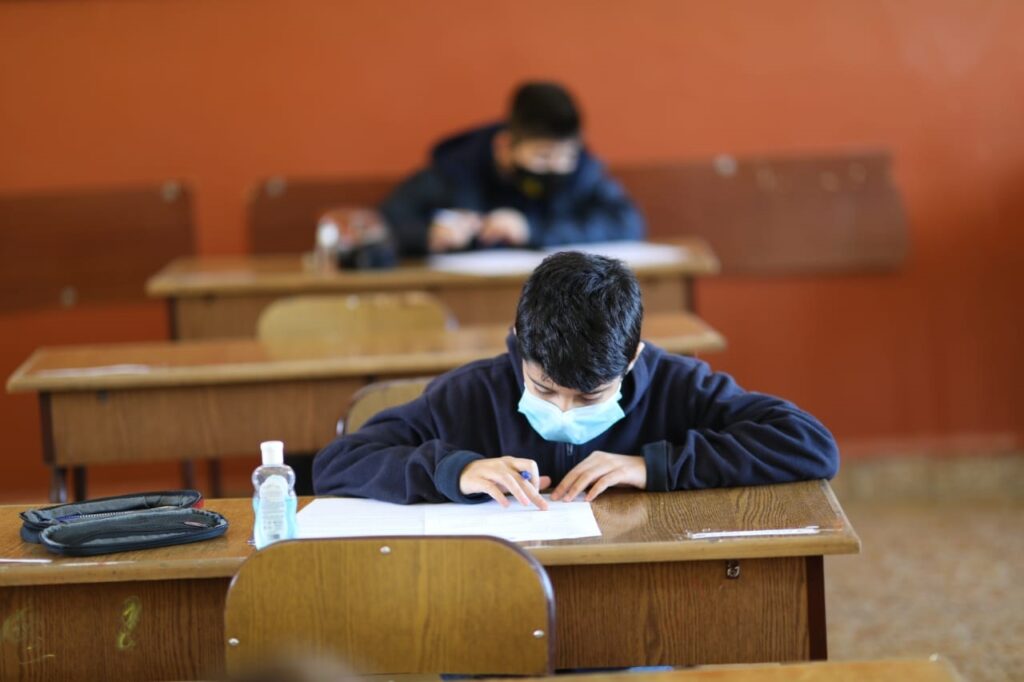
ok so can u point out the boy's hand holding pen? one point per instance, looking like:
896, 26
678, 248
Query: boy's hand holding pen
500, 475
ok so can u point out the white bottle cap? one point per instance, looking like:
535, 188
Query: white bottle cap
327, 234
273, 453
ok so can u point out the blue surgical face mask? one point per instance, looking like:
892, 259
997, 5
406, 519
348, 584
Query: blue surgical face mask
575, 426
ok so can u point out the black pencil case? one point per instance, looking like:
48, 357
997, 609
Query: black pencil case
35, 521
134, 531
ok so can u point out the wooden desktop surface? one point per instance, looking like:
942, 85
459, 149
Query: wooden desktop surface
163, 364
635, 526
286, 274
634, 596
934, 669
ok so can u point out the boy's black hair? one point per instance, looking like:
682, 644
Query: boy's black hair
579, 318
543, 110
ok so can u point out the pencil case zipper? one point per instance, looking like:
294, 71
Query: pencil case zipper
141, 530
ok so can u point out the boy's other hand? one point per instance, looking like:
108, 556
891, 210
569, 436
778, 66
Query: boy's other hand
600, 471
505, 226
453, 229
499, 475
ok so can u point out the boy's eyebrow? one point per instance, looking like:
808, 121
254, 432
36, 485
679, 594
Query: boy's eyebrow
538, 383
596, 391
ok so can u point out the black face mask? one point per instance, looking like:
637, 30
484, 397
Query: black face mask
538, 185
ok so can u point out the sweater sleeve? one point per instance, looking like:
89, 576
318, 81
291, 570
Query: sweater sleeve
738, 438
604, 213
410, 208
394, 457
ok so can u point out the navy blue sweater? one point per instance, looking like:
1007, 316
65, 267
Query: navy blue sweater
694, 428
589, 207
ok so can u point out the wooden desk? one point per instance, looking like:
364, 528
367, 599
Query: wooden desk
170, 401
223, 297
644, 593
934, 669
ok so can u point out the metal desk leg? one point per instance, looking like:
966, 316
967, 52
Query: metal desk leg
58, 485
80, 483
215, 478
816, 608
188, 474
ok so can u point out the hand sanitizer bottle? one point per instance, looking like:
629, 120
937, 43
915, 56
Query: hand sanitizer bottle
274, 500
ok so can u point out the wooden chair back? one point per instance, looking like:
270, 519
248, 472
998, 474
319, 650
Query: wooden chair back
353, 315
60, 249
378, 397
401, 605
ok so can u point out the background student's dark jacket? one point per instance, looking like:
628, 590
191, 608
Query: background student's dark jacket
589, 207
694, 428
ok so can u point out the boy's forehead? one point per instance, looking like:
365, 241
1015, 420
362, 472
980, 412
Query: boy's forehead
544, 145
536, 373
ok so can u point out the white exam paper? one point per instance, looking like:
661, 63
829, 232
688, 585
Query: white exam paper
488, 262
350, 517
518, 261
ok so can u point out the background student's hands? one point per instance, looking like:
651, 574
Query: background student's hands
453, 229
505, 226
499, 475
600, 471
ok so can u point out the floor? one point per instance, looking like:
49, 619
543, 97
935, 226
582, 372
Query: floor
935, 576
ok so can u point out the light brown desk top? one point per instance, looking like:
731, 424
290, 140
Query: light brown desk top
168, 363
636, 526
278, 274
934, 669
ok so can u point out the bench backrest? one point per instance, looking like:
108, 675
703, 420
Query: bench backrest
59, 249
761, 215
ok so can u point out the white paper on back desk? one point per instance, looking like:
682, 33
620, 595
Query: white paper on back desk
521, 261
340, 517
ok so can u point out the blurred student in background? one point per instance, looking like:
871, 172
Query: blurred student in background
527, 182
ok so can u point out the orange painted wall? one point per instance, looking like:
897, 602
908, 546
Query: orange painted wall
222, 93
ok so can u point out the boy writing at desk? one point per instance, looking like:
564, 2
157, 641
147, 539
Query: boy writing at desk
578, 402
528, 181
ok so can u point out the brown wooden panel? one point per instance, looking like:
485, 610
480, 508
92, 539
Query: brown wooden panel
283, 212
152, 630
219, 317
820, 214
62, 249
173, 424
680, 613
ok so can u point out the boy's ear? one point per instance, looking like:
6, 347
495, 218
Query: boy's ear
639, 350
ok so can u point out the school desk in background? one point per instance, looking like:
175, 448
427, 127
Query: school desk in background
223, 297
174, 401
